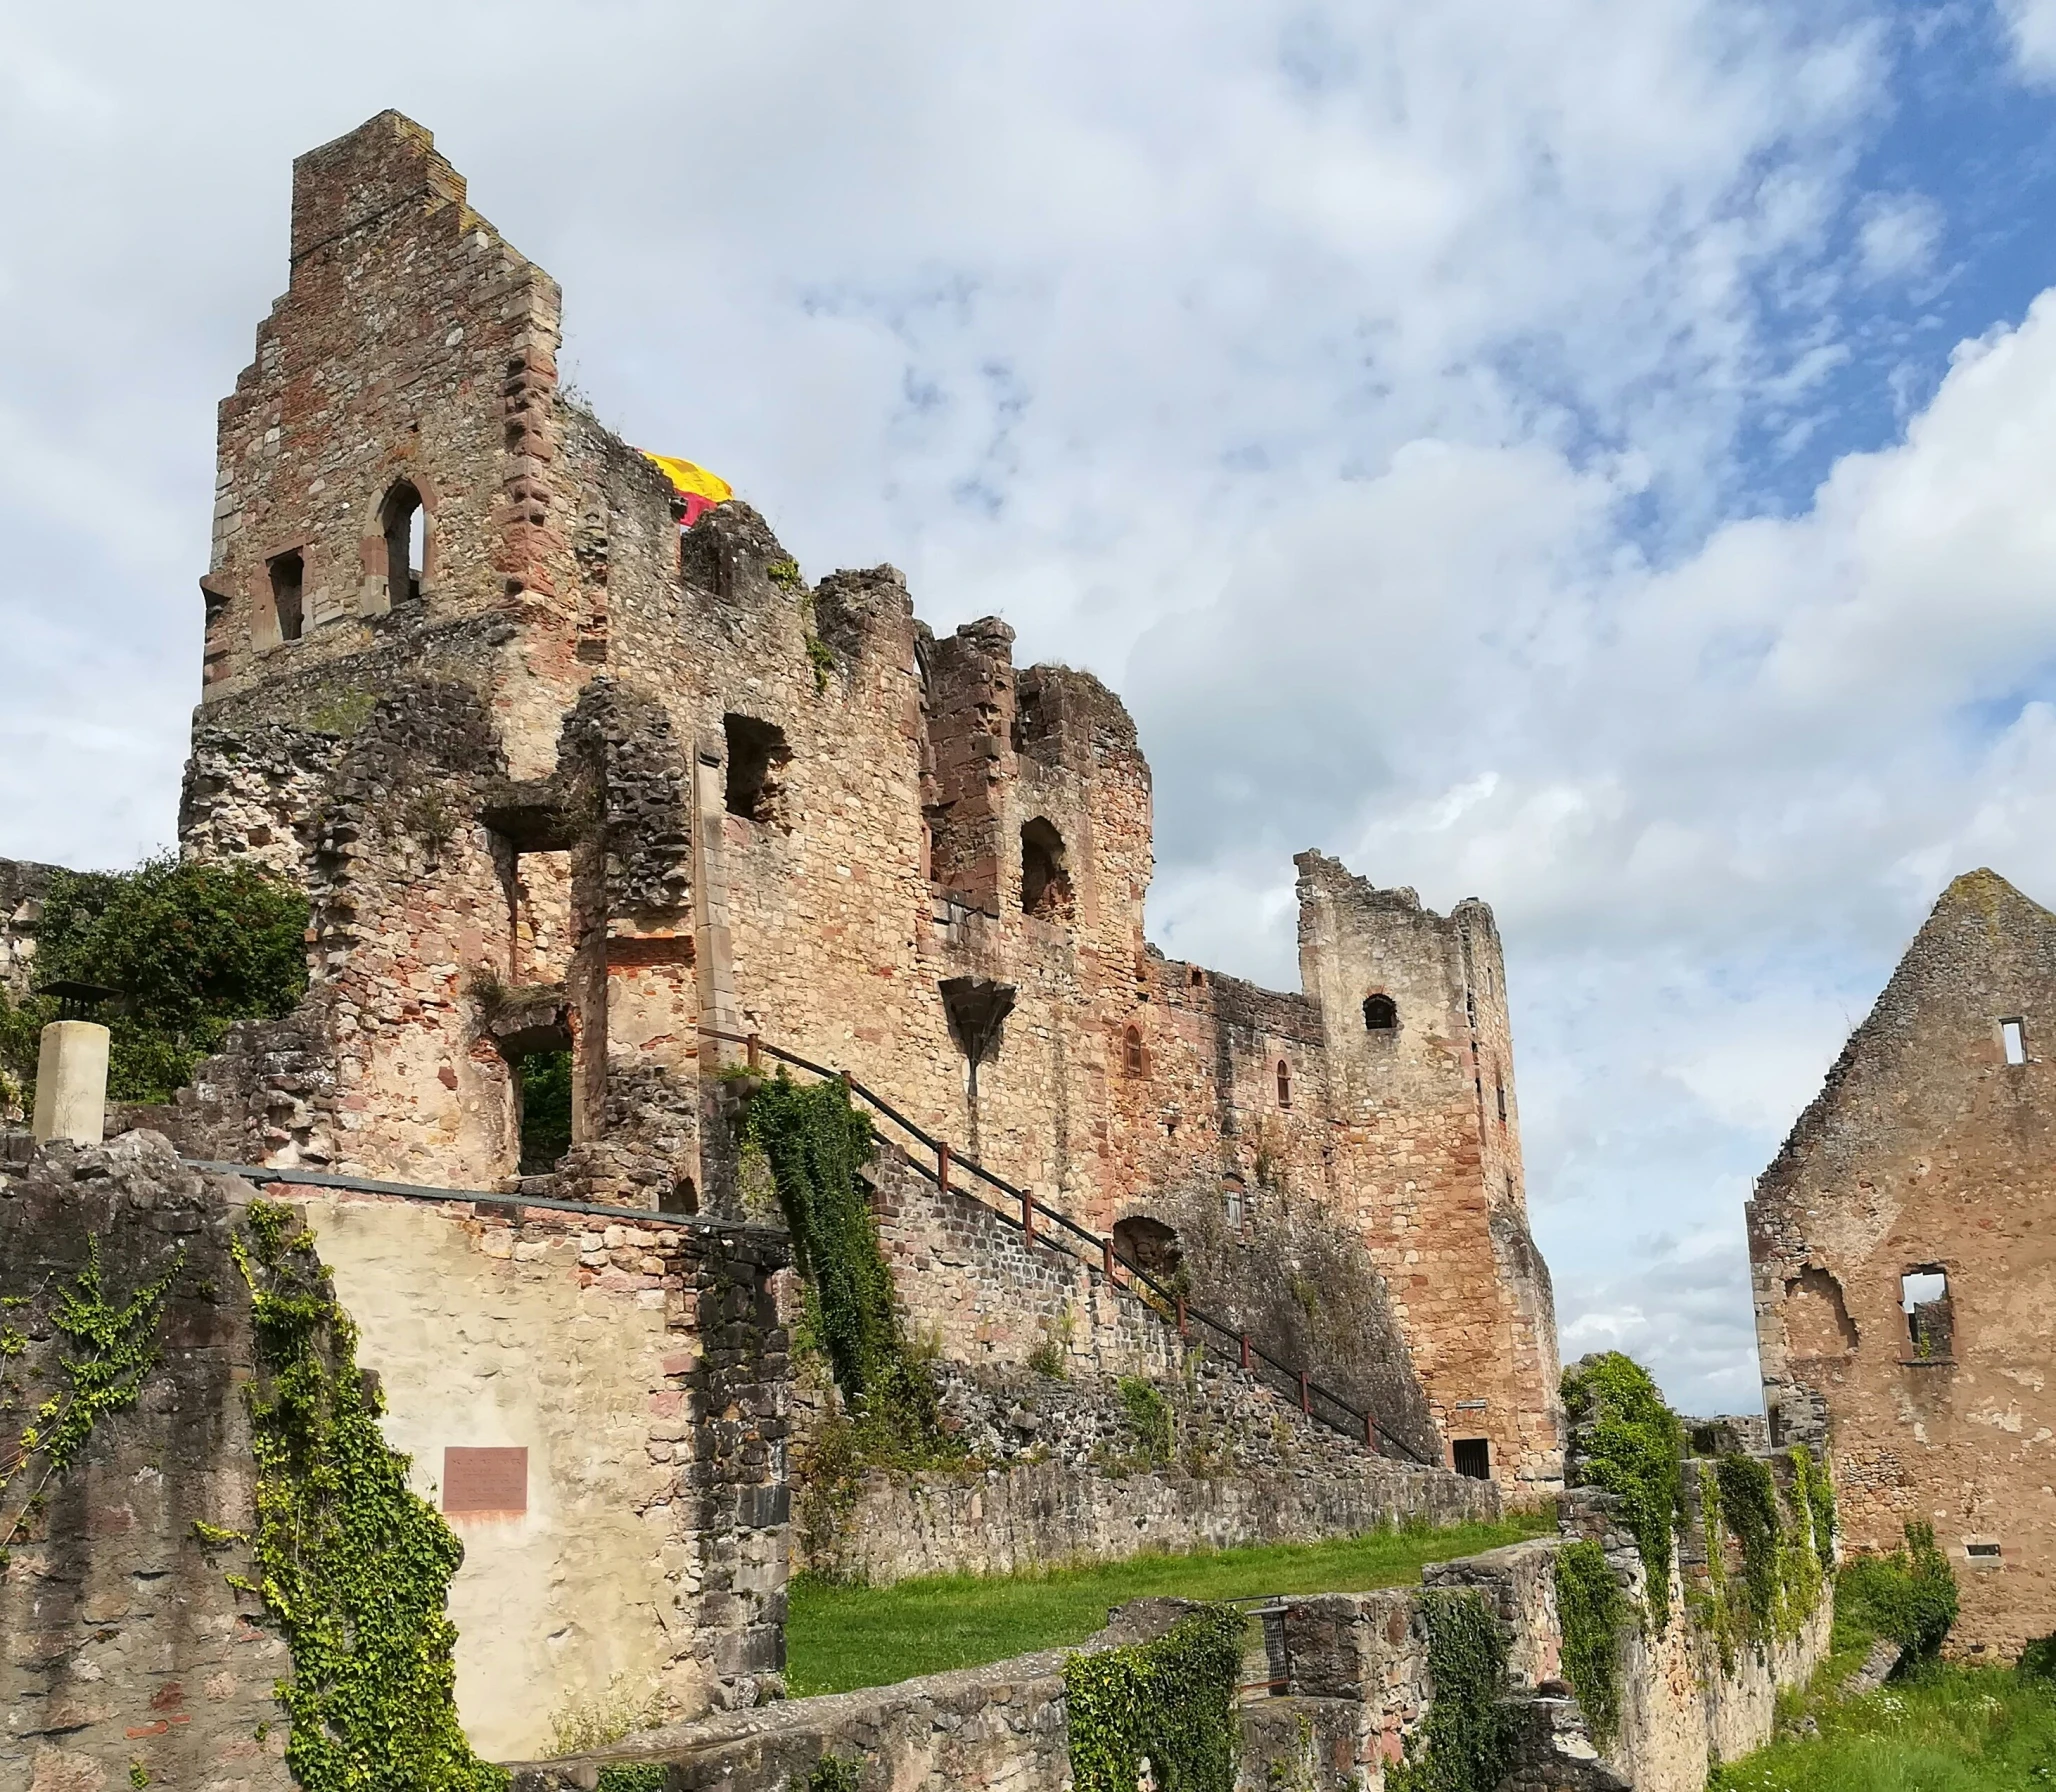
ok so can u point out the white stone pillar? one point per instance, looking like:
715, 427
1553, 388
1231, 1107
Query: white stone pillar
71, 1083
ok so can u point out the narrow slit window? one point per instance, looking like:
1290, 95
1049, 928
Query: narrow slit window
2013, 1036
1131, 1051
1499, 1093
288, 580
1234, 1201
1284, 1084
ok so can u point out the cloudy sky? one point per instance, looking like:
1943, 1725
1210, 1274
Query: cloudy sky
1589, 454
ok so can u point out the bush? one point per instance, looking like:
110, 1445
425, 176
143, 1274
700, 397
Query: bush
1632, 1446
191, 948
2038, 1659
1909, 1595
1171, 1700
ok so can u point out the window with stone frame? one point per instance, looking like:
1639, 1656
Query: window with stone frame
757, 761
288, 601
403, 518
1134, 1060
1045, 877
1381, 1013
1284, 1084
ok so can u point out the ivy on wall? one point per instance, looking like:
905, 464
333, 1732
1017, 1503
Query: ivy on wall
88, 1360
1170, 1701
1592, 1611
1466, 1741
353, 1567
1631, 1445
815, 1143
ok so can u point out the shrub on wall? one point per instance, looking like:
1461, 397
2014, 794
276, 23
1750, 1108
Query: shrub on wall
1170, 1701
1909, 1595
1592, 1612
815, 1143
1631, 1445
191, 948
1466, 1742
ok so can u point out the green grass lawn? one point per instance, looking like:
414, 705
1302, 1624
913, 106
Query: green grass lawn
841, 1637
1945, 1729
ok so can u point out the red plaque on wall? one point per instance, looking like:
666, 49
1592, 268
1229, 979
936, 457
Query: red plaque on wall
490, 1481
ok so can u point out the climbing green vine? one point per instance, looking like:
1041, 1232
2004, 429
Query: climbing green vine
815, 1143
1466, 1742
353, 1567
1592, 1611
1171, 1700
1631, 1445
97, 1353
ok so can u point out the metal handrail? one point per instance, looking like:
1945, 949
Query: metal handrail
1362, 1425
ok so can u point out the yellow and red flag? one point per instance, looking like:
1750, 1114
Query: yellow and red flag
700, 489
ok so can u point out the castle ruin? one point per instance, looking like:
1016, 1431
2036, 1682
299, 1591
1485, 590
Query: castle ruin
1904, 1270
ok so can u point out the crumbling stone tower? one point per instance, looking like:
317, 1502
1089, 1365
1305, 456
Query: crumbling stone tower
559, 776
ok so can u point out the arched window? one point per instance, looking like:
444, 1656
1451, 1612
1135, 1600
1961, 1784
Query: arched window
405, 522
288, 576
1284, 1084
1045, 882
1381, 1013
1150, 1245
1132, 1061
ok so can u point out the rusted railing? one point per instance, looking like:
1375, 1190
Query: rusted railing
1314, 1401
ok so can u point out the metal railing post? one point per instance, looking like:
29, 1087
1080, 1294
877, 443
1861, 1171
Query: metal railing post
1027, 1216
1184, 1330
1306, 1404
1245, 1350
752, 1055
1106, 1245
942, 1167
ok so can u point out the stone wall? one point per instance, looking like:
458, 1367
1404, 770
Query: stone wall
1034, 1515
23, 885
598, 1410
121, 1641
1928, 1153
640, 1374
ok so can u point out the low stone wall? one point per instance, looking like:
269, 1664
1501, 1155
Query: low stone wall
996, 1726
1041, 1514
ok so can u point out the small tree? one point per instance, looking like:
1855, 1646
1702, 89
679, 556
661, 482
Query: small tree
190, 948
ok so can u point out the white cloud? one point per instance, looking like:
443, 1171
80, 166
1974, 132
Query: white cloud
1896, 235
2031, 24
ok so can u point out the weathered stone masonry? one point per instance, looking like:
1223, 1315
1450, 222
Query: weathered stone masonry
573, 781
1903, 1250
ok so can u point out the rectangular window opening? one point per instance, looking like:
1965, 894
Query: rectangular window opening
1982, 1552
1472, 1456
288, 576
2013, 1036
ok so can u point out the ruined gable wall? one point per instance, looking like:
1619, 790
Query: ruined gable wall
1926, 1147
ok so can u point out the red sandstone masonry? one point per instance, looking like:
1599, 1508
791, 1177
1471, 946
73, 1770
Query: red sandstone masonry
515, 783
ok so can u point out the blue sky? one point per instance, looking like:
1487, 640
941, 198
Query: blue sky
1590, 455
